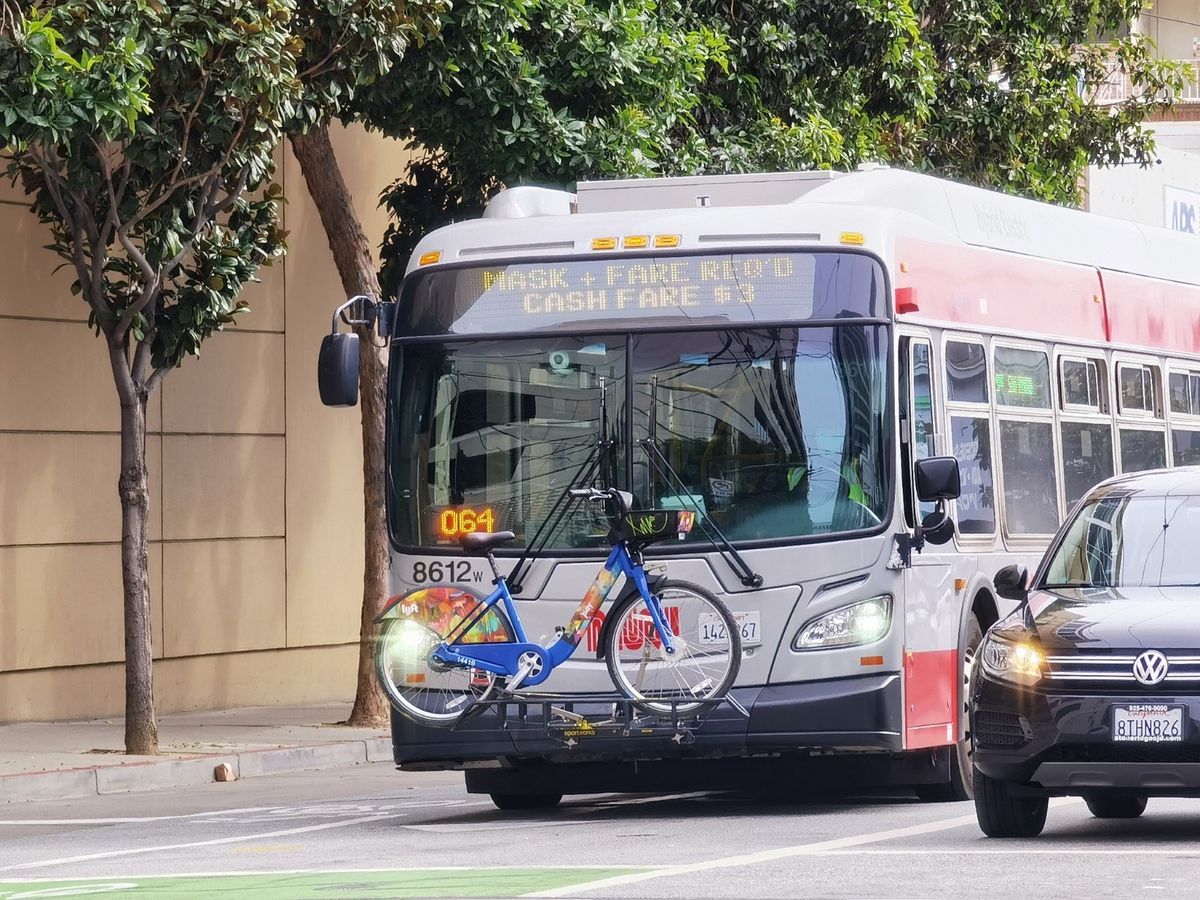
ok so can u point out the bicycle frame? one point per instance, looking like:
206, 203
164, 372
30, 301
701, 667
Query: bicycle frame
508, 659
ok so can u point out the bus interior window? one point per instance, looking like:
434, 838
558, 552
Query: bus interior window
966, 372
1142, 449
1087, 456
1137, 385
970, 437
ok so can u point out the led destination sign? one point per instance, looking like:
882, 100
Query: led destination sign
624, 286
734, 288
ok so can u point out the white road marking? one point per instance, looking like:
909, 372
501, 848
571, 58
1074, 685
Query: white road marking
385, 870
88, 821
1015, 851
130, 819
106, 887
252, 814
763, 856
237, 839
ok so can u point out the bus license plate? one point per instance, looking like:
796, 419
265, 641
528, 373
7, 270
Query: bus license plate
1152, 723
712, 628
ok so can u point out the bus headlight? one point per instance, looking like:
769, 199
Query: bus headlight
864, 622
1018, 661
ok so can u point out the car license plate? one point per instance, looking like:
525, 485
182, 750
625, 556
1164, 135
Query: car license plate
712, 628
1152, 723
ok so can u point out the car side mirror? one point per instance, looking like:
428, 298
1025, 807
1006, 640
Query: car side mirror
937, 478
337, 369
1012, 583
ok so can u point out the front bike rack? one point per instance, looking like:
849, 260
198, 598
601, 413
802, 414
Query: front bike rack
558, 716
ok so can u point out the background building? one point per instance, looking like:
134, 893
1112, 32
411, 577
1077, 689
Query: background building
256, 553
1167, 194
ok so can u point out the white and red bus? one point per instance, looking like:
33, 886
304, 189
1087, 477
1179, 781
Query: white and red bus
793, 344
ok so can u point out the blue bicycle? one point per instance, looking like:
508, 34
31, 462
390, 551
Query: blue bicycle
671, 647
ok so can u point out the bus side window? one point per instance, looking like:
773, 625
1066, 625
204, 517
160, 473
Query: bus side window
1030, 478
1137, 387
972, 441
1085, 426
1184, 390
1142, 442
922, 409
971, 435
917, 402
922, 402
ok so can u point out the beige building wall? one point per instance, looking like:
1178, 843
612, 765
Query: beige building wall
256, 552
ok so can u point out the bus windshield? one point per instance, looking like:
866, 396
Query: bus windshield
772, 433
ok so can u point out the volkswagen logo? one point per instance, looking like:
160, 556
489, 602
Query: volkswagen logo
1150, 668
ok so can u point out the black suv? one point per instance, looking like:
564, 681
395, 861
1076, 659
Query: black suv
1091, 687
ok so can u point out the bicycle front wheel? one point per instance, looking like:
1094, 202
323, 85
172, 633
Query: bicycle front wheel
708, 650
419, 687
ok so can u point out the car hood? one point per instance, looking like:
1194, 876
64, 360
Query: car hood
1086, 619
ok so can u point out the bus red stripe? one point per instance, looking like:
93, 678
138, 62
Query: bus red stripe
930, 698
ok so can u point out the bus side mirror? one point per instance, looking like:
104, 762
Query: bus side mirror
1012, 583
937, 527
937, 478
337, 369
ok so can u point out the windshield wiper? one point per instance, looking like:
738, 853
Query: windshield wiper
662, 468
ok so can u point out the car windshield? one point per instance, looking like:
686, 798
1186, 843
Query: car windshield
1130, 541
769, 433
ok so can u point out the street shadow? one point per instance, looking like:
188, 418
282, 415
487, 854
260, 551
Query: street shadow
1173, 822
626, 808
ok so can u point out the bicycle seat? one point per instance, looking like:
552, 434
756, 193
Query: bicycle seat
624, 500
483, 541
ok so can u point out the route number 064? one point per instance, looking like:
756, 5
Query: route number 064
457, 521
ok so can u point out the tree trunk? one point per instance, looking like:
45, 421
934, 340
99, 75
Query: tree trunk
356, 267
141, 730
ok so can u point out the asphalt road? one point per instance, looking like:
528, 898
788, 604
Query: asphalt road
373, 832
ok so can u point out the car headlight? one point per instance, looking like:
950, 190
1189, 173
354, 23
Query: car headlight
1012, 660
864, 622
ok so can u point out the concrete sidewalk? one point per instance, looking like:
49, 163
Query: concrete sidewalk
60, 760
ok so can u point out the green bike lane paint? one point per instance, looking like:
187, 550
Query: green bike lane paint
432, 882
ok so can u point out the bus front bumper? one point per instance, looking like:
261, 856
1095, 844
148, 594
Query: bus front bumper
863, 713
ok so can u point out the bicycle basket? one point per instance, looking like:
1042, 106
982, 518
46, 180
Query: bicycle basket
647, 525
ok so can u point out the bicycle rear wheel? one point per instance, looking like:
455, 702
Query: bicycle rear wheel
420, 688
704, 665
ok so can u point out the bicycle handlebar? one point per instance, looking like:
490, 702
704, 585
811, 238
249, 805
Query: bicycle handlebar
590, 493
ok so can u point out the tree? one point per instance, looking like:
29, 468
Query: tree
142, 133
1017, 88
998, 94
546, 91
344, 48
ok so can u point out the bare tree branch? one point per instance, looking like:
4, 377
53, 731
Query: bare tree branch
10, 18
156, 378
143, 354
150, 284
92, 289
169, 192
173, 186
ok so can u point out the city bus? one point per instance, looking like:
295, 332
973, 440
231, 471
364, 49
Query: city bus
776, 353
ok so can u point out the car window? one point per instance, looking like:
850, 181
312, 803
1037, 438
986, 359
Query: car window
1129, 541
